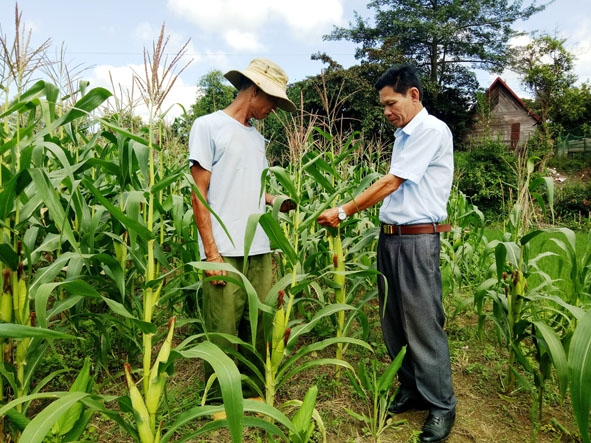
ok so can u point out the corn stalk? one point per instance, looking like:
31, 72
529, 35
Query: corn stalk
159, 78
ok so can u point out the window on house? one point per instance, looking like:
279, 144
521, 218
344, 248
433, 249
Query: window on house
515, 132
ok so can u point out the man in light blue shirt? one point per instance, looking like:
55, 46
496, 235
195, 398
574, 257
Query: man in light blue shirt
414, 195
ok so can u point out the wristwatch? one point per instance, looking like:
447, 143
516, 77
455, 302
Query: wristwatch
342, 213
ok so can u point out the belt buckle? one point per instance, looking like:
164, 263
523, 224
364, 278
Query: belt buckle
391, 229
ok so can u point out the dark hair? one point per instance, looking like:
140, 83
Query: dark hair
401, 78
245, 83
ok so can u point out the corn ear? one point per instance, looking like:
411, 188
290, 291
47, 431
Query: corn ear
140, 411
158, 379
6, 307
278, 343
517, 293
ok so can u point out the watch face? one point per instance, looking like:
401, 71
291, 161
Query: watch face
342, 214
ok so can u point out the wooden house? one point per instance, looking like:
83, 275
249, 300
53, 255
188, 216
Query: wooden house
507, 119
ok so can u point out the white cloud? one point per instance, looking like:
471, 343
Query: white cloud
304, 19
242, 41
126, 94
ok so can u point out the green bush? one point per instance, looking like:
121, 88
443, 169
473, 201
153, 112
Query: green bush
569, 164
573, 200
485, 174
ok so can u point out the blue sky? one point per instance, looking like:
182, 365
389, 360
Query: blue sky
106, 38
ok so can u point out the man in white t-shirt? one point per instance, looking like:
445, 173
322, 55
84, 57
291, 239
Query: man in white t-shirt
227, 159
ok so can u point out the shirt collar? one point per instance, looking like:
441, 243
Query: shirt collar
412, 125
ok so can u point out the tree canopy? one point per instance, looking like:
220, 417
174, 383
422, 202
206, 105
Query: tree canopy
443, 38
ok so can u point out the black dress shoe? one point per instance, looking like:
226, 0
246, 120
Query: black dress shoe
406, 401
437, 427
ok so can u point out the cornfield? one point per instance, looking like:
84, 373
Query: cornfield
98, 250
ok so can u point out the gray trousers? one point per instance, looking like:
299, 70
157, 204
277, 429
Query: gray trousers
411, 313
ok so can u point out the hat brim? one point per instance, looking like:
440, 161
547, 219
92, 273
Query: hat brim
262, 82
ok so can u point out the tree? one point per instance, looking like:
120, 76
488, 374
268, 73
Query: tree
345, 98
443, 38
547, 70
571, 112
213, 94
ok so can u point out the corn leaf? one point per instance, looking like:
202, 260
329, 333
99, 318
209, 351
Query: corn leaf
386, 380
82, 383
579, 362
285, 180
229, 380
557, 354
302, 420
128, 222
11, 330
39, 427
88, 103
277, 236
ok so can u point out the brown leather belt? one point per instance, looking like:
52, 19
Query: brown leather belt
423, 228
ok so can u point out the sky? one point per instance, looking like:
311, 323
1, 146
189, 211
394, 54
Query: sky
104, 41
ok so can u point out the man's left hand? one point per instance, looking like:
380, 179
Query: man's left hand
330, 217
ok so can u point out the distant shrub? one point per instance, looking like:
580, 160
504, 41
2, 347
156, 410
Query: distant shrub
573, 201
486, 174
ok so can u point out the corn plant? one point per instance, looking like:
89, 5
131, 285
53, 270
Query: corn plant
466, 255
523, 311
579, 362
378, 388
36, 221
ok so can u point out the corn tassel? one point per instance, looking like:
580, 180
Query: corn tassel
157, 378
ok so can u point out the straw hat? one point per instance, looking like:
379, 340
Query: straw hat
268, 76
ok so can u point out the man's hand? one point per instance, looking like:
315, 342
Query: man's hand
330, 217
214, 272
287, 205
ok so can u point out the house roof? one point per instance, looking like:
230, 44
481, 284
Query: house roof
500, 83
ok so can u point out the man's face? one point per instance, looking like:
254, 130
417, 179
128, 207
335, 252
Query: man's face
264, 105
399, 109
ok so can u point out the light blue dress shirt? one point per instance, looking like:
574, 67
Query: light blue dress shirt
423, 155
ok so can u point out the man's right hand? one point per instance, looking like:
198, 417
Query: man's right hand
214, 272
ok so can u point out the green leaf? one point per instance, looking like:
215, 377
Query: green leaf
88, 103
302, 420
277, 236
579, 362
11, 330
557, 354
44, 291
39, 427
229, 380
285, 180
11, 190
81, 384
128, 222
386, 381
119, 309
8, 256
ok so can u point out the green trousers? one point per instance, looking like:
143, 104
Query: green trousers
226, 310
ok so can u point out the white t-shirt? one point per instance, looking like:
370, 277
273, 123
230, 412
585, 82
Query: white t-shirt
235, 156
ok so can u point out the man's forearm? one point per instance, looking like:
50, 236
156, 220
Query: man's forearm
377, 192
